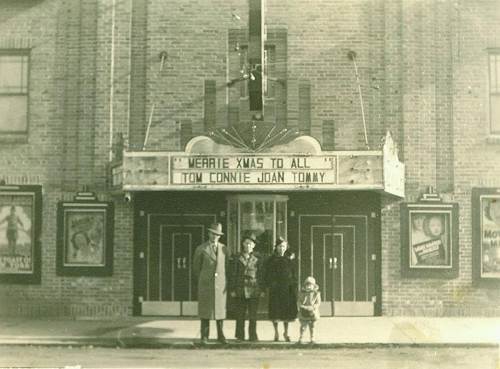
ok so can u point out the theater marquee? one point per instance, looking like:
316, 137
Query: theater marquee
299, 165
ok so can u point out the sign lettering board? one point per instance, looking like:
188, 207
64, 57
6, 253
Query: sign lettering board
256, 170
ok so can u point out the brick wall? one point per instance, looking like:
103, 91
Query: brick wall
74, 296
195, 36
422, 71
416, 61
446, 144
67, 143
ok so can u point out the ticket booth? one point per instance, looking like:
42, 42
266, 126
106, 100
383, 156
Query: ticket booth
261, 216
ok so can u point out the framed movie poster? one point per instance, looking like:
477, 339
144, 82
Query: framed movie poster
20, 225
85, 237
429, 240
486, 236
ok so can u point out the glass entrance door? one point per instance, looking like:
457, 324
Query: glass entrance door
262, 217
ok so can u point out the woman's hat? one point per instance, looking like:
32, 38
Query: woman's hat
279, 241
216, 228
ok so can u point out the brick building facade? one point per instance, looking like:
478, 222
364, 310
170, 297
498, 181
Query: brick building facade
97, 79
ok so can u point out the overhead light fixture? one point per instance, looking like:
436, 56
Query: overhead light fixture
257, 116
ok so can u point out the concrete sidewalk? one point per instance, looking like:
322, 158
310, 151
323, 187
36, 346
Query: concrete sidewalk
176, 333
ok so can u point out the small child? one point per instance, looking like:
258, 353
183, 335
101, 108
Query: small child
308, 302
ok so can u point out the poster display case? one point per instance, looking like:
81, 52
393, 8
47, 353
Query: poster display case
20, 226
429, 239
85, 237
486, 236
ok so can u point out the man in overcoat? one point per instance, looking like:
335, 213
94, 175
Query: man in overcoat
209, 268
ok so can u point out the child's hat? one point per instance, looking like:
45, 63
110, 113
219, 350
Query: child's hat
311, 280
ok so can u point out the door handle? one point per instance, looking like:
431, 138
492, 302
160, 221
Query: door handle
179, 263
331, 263
184, 263
334, 263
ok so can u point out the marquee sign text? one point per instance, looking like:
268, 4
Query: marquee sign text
237, 169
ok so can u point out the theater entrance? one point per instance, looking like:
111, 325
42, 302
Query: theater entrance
169, 227
333, 236
338, 242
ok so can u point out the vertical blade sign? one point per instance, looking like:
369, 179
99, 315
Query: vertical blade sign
255, 55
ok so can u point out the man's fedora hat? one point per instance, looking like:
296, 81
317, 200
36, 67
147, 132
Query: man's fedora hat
216, 228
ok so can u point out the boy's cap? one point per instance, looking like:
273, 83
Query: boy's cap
250, 237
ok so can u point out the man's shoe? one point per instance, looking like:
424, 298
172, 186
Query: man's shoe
203, 340
253, 339
222, 340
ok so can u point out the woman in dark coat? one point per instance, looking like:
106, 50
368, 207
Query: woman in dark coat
281, 279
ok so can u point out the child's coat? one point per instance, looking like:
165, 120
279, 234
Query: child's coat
309, 299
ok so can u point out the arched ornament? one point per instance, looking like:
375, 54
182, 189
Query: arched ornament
206, 145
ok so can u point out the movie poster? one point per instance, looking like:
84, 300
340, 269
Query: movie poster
430, 240
16, 234
490, 236
85, 238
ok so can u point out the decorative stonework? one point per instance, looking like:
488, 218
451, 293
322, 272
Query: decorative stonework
306, 145
253, 136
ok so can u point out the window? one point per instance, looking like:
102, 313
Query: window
14, 70
262, 217
494, 91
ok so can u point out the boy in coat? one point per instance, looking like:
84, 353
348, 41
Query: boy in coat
244, 286
209, 268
